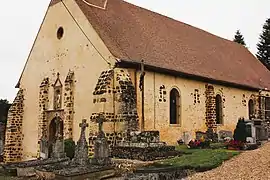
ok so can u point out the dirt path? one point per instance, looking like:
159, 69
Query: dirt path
249, 165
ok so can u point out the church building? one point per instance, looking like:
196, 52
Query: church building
143, 71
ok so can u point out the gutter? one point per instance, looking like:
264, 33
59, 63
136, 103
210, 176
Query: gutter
136, 65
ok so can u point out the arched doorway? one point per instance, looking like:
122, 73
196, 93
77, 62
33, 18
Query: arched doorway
251, 109
55, 131
174, 106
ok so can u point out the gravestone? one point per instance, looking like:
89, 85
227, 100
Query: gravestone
81, 150
187, 137
101, 151
222, 134
58, 146
44, 148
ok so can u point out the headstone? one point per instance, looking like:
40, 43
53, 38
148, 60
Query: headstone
44, 148
58, 146
187, 137
222, 134
101, 151
81, 151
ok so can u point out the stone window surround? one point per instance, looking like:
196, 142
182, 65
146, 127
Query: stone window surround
179, 120
222, 110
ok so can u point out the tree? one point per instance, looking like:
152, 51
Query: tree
239, 38
4, 107
240, 132
263, 46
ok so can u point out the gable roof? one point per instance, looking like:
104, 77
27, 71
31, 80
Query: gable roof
132, 33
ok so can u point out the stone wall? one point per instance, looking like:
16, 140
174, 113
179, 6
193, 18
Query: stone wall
69, 105
13, 141
43, 106
210, 105
115, 97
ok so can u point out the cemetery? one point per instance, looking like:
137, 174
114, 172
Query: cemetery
141, 156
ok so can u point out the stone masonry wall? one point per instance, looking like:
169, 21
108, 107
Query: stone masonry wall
43, 106
69, 105
13, 141
115, 97
210, 107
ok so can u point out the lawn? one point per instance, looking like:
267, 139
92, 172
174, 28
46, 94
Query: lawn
199, 159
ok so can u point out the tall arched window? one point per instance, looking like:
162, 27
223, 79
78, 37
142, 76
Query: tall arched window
251, 109
174, 106
219, 110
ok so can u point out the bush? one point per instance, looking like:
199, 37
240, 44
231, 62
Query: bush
234, 144
240, 133
199, 144
70, 148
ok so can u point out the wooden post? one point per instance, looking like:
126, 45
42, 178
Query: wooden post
142, 92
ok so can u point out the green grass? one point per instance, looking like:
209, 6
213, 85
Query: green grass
199, 159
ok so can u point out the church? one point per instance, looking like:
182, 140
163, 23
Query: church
143, 71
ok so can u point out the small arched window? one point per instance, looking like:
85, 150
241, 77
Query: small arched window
251, 109
174, 106
219, 110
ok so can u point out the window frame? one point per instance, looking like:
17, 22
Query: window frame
221, 116
178, 107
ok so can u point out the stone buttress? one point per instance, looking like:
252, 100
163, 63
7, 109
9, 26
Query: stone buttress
115, 97
69, 105
13, 141
43, 106
210, 107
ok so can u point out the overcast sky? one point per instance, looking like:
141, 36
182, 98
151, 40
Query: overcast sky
21, 19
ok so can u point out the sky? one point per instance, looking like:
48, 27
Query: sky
20, 21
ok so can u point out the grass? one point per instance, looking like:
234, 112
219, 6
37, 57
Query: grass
199, 159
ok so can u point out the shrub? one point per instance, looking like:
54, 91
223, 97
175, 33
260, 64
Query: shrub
238, 145
70, 148
240, 132
199, 144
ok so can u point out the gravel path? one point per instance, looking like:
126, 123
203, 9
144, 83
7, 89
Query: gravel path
249, 165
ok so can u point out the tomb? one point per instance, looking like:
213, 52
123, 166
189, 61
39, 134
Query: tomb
61, 167
101, 152
144, 146
257, 131
81, 166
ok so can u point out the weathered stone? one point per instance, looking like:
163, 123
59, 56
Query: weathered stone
14, 135
44, 148
187, 137
58, 149
26, 172
81, 151
101, 150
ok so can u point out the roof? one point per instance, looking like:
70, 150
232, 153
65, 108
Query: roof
133, 33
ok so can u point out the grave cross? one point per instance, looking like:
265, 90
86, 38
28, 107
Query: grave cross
83, 126
100, 120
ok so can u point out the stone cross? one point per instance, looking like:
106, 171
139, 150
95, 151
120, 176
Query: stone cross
83, 126
81, 150
100, 120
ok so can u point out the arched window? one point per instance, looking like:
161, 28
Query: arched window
174, 106
219, 110
251, 109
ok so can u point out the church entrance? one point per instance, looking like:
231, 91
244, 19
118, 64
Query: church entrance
55, 132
